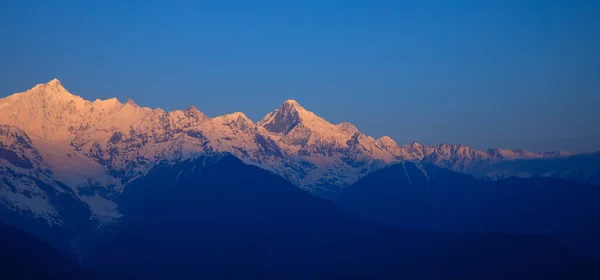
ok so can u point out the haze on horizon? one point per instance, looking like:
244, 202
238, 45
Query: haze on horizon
515, 75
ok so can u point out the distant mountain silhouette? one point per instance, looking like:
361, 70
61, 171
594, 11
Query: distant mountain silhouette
430, 198
595, 178
581, 167
215, 217
23, 256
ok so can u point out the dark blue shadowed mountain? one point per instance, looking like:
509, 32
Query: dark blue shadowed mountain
595, 178
426, 197
218, 218
69, 236
583, 168
23, 256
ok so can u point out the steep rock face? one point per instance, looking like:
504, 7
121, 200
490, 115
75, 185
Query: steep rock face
340, 154
16, 149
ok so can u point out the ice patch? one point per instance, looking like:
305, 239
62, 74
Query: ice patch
107, 211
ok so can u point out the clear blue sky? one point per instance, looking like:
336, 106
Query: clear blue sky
510, 74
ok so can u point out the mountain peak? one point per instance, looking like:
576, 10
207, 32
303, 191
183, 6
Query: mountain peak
53, 86
236, 119
193, 112
347, 127
291, 105
291, 102
192, 108
131, 103
387, 141
237, 115
54, 81
388, 144
285, 118
292, 118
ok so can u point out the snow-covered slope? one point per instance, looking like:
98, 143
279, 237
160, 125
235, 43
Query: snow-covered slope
32, 199
22, 174
97, 148
462, 158
338, 155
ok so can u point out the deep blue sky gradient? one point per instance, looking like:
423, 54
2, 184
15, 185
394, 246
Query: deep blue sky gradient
509, 74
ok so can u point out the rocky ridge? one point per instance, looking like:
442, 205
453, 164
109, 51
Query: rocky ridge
97, 148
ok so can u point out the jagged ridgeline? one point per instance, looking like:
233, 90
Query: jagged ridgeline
77, 173
97, 147
93, 149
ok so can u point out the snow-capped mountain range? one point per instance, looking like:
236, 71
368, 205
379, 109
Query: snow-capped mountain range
91, 150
